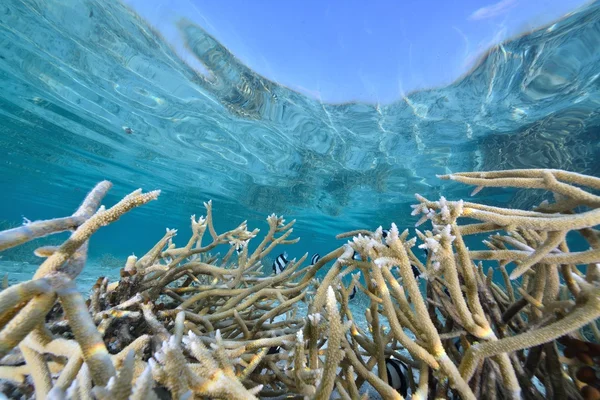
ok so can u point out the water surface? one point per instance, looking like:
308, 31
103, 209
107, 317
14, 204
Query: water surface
76, 77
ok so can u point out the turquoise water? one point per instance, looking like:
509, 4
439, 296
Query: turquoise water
75, 79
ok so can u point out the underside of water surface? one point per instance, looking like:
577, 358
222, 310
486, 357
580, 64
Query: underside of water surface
108, 98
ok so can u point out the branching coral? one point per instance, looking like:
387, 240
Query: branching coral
194, 323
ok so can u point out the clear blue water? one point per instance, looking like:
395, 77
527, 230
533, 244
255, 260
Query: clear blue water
74, 75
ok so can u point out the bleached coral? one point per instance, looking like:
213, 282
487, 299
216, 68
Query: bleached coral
200, 325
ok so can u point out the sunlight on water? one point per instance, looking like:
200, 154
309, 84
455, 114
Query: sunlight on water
92, 92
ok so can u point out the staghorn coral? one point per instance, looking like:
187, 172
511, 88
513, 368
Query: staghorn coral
185, 322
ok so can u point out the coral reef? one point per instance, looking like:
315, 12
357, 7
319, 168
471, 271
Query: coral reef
187, 321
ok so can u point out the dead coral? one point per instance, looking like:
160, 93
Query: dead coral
190, 322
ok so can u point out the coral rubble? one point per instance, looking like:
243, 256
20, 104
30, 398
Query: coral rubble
187, 322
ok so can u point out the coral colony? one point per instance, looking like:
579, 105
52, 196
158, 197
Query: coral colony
183, 322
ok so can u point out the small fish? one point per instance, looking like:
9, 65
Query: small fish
416, 271
458, 344
280, 263
239, 249
127, 130
273, 350
384, 235
396, 375
315, 258
354, 291
356, 256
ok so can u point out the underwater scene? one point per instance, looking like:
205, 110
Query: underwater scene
170, 231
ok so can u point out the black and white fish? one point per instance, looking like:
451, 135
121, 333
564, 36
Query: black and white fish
384, 234
416, 270
356, 256
272, 350
396, 375
458, 344
315, 258
280, 263
239, 249
354, 291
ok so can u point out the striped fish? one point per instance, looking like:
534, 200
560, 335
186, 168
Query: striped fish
280, 263
396, 375
416, 271
272, 350
354, 291
239, 249
315, 258
458, 344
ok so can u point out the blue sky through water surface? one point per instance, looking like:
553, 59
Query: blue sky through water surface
340, 51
